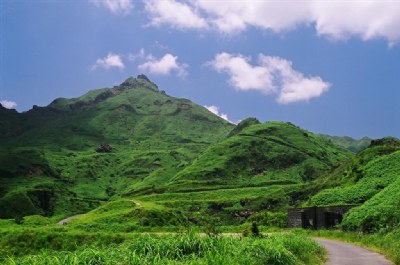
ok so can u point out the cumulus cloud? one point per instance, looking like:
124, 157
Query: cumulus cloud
164, 65
123, 7
339, 19
112, 60
174, 13
215, 110
242, 75
8, 104
272, 75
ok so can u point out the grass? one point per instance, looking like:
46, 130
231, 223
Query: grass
187, 249
261, 154
153, 136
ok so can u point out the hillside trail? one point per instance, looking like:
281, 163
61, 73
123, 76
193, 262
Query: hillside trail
66, 220
69, 218
340, 253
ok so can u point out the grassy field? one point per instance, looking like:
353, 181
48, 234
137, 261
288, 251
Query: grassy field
72, 248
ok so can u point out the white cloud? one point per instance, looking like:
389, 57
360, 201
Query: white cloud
176, 14
243, 75
271, 75
123, 7
8, 104
112, 60
238, 15
364, 19
338, 19
164, 66
134, 56
215, 110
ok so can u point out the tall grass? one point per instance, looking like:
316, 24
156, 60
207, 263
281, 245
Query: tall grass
285, 249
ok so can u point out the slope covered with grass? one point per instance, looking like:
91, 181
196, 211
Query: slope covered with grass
348, 142
48, 159
372, 181
259, 155
370, 171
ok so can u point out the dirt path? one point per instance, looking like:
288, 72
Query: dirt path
66, 220
346, 254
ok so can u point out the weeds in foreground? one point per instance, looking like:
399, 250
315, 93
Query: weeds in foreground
191, 249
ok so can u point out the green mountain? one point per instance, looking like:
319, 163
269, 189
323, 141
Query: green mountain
348, 142
139, 158
371, 180
261, 155
256, 173
74, 153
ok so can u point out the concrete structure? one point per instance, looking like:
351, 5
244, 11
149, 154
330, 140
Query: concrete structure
317, 217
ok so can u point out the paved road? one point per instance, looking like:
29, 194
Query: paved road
346, 254
66, 220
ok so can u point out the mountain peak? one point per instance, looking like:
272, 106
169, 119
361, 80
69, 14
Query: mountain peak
140, 80
142, 76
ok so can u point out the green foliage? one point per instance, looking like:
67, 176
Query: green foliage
379, 214
52, 149
254, 230
258, 155
371, 180
349, 143
242, 125
278, 249
270, 219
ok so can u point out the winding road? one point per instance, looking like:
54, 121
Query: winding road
340, 253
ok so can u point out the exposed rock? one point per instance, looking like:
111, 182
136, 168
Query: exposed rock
104, 148
390, 141
242, 214
142, 76
242, 125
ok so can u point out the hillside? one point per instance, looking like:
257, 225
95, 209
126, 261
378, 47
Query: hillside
48, 158
371, 180
348, 142
261, 155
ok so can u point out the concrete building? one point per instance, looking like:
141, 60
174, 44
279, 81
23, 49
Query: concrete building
317, 217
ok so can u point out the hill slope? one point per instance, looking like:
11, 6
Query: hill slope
371, 180
48, 159
348, 142
261, 154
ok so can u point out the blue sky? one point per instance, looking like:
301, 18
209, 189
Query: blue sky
303, 63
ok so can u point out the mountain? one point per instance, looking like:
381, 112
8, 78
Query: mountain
348, 142
254, 174
371, 180
260, 155
74, 153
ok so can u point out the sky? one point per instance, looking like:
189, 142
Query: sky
327, 66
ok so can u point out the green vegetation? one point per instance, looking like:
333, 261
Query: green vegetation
261, 155
66, 248
48, 162
132, 159
371, 180
348, 142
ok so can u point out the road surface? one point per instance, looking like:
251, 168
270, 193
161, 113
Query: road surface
66, 220
346, 254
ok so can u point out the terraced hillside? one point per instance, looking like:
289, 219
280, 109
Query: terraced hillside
371, 180
73, 154
261, 155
